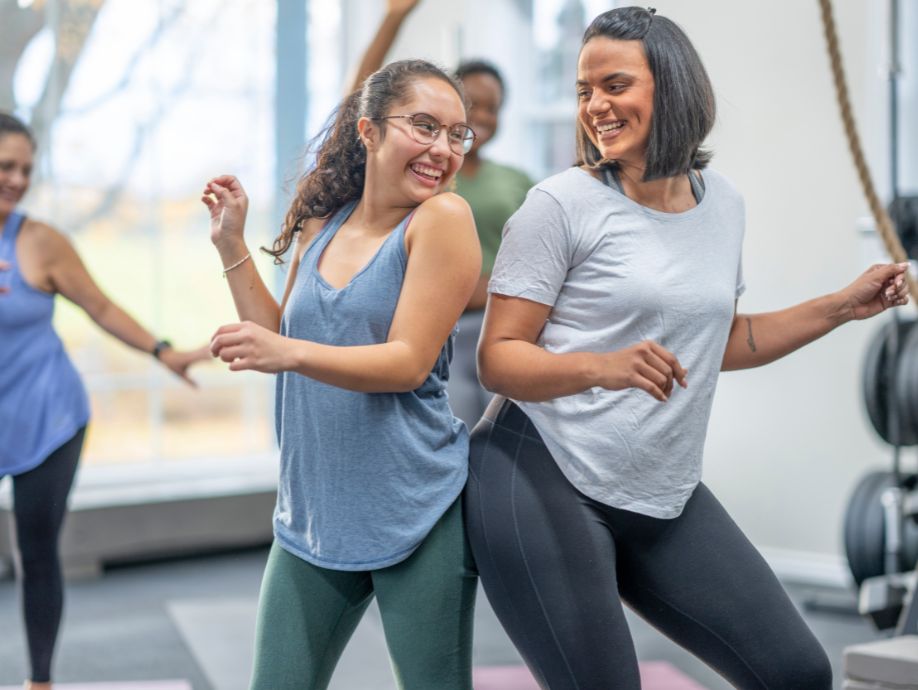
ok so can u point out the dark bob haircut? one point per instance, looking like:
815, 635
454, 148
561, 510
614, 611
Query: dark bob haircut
683, 99
10, 124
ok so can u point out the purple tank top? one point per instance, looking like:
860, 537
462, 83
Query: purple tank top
42, 400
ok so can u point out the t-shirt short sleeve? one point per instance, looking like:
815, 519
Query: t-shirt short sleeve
740, 280
535, 252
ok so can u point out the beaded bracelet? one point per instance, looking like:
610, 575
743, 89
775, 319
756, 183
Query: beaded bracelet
237, 264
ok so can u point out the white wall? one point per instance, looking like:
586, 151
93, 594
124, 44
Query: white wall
786, 442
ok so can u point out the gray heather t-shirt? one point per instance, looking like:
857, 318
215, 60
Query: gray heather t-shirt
616, 273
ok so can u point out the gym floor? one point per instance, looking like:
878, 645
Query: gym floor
193, 619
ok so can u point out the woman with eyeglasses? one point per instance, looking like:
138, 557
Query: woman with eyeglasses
493, 190
612, 310
382, 263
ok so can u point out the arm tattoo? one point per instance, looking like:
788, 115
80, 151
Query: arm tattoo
749, 338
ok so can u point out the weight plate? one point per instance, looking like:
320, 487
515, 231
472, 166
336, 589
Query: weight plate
907, 388
865, 528
875, 378
863, 541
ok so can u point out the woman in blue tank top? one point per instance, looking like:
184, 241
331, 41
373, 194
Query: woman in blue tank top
43, 405
372, 459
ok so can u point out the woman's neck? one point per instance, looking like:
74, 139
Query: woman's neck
381, 206
376, 215
667, 194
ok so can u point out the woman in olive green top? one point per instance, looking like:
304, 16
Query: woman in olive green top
494, 192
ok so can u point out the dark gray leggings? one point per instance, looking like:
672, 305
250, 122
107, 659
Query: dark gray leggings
40, 502
556, 567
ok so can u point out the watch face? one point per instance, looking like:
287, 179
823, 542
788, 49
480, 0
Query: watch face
159, 347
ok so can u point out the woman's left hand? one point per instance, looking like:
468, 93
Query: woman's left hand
179, 361
247, 345
877, 289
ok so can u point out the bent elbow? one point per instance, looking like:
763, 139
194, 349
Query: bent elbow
418, 379
407, 381
486, 382
487, 377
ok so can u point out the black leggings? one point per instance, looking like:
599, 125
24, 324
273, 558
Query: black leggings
40, 501
553, 560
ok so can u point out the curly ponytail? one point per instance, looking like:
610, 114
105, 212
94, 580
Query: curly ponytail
337, 178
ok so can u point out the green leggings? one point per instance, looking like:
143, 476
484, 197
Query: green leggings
307, 614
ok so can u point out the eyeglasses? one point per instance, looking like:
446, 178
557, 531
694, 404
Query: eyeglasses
424, 129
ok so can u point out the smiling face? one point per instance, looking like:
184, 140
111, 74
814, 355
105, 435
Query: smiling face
485, 96
16, 156
412, 170
615, 94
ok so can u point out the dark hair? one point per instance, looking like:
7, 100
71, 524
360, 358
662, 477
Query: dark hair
469, 67
9, 124
337, 177
683, 98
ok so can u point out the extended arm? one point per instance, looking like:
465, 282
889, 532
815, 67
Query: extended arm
69, 277
444, 262
374, 57
757, 339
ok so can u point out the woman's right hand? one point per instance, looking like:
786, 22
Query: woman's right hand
647, 366
228, 204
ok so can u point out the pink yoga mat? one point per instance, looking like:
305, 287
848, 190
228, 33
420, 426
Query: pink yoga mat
117, 685
655, 675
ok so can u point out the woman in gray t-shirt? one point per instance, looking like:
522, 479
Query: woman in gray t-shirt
612, 312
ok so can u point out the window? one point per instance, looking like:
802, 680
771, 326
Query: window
136, 106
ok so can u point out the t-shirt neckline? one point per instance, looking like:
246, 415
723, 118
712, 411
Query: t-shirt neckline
663, 215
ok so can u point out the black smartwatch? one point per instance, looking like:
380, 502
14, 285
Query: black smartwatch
159, 347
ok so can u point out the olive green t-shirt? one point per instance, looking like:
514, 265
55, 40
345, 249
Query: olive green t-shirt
495, 193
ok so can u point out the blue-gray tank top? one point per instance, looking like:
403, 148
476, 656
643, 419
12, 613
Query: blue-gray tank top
364, 476
42, 400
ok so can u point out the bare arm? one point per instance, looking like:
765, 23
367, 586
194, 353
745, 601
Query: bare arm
69, 277
228, 204
374, 57
757, 339
512, 364
479, 296
444, 262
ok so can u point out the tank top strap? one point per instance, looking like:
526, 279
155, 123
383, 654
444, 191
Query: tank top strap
393, 248
402, 226
612, 179
328, 231
11, 228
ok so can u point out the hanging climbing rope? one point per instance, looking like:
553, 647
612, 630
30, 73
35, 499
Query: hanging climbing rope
881, 522
882, 219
